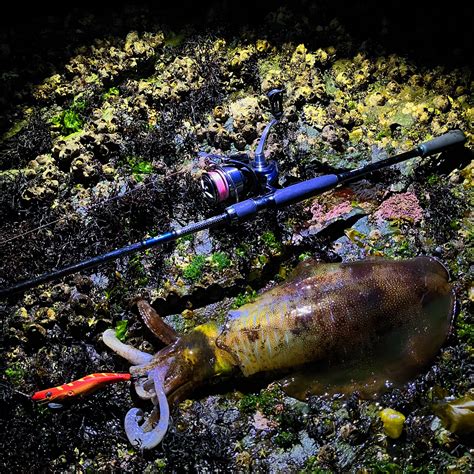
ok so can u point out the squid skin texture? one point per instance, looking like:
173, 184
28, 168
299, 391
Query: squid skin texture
382, 319
340, 310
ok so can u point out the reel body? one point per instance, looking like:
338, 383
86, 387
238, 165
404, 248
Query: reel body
235, 178
231, 179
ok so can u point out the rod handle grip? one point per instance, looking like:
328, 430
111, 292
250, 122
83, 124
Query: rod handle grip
304, 190
439, 144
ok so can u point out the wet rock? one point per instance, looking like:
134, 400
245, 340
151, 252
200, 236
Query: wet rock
85, 169
329, 134
36, 334
244, 112
81, 302
44, 178
64, 151
220, 113
83, 283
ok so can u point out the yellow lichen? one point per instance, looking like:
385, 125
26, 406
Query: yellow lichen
299, 55
315, 116
240, 56
356, 135
219, 45
321, 56
468, 174
262, 45
375, 99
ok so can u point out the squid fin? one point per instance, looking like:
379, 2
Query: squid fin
155, 323
370, 376
393, 361
335, 379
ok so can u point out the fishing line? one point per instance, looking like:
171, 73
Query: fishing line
88, 209
228, 179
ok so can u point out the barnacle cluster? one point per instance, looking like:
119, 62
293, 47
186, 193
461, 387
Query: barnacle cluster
347, 101
99, 64
43, 179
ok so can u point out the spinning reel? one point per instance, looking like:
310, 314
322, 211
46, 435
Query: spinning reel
249, 186
237, 177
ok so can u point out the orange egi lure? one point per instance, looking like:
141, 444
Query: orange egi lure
82, 386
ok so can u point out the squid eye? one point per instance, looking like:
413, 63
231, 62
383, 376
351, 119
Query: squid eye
49, 394
70, 393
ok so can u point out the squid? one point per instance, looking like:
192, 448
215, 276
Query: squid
363, 326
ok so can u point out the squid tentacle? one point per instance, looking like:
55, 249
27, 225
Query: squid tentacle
136, 434
144, 390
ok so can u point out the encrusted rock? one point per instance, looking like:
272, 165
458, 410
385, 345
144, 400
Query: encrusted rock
44, 177
244, 112
85, 168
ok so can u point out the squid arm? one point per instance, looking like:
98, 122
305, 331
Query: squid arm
134, 356
155, 323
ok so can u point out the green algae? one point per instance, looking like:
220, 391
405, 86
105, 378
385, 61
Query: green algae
139, 168
285, 439
220, 261
193, 271
242, 250
15, 373
264, 401
121, 330
112, 92
249, 296
70, 120
304, 256
271, 242
465, 327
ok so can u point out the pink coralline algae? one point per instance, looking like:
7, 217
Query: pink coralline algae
403, 206
321, 216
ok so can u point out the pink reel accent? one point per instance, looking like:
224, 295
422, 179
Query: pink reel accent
221, 184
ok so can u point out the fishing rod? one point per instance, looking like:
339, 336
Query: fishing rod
251, 185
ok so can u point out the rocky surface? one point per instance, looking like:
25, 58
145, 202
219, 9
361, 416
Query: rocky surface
102, 151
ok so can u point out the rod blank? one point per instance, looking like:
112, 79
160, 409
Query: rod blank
248, 208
